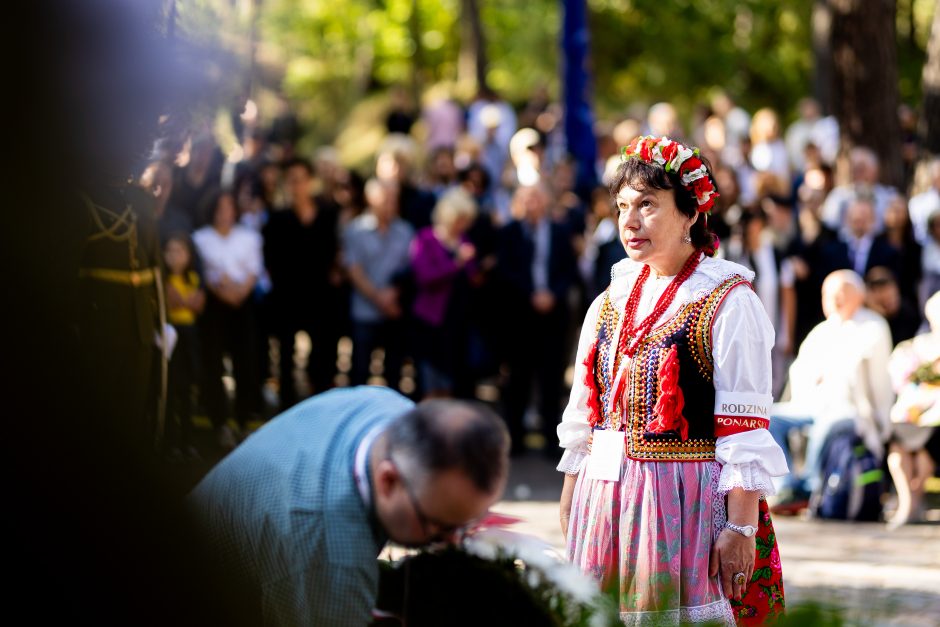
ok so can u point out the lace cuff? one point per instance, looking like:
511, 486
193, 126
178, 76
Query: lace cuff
749, 476
572, 461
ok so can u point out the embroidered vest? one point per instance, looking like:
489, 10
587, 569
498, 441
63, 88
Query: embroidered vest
689, 330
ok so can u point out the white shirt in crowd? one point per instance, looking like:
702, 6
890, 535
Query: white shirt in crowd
237, 255
920, 207
842, 372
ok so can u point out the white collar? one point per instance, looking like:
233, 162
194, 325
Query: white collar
360, 465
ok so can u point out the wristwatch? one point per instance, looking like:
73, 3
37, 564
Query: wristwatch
745, 530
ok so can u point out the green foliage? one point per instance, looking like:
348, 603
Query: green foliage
651, 50
523, 45
328, 55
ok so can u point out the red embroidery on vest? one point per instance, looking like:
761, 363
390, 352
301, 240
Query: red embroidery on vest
668, 409
590, 380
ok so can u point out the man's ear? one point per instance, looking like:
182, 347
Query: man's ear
386, 478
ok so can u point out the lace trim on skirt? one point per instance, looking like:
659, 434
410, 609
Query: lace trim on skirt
718, 613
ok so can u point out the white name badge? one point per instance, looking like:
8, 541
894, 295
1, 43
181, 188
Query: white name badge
606, 455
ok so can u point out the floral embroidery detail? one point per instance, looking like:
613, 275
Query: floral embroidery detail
765, 593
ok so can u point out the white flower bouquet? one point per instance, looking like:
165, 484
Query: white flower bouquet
492, 577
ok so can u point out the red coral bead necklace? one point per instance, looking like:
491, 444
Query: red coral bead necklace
632, 335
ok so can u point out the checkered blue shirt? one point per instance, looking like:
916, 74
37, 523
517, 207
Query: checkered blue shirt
283, 511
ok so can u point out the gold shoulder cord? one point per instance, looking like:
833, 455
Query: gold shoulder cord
124, 228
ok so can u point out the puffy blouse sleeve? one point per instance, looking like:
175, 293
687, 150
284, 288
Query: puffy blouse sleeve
573, 431
742, 338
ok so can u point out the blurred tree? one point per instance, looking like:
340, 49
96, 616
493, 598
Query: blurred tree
865, 80
472, 66
822, 55
931, 87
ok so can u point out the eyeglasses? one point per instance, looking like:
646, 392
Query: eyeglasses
431, 526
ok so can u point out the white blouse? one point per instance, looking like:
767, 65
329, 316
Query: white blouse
237, 255
742, 337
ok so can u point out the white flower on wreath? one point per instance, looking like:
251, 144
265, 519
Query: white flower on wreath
694, 175
682, 154
657, 151
491, 543
704, 199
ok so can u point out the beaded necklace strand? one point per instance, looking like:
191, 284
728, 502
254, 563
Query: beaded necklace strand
632, 335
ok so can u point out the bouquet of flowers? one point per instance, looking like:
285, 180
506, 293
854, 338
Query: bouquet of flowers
915, 372
492, 577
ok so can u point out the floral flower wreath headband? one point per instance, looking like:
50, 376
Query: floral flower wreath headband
679, 158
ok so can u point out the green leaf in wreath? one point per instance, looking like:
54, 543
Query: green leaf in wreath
762, 573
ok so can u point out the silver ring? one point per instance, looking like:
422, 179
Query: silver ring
738, 579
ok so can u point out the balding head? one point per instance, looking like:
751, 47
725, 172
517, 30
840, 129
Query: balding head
436, 468
864, 165
440, 435
843, 293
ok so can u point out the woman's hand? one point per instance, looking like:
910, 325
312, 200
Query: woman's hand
732, 553
564, 510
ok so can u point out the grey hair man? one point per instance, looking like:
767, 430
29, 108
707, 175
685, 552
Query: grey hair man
300, 511
839, 380
864, 173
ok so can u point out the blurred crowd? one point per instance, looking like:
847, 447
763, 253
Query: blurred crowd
470, 250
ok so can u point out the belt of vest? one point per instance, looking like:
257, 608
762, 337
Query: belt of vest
133, 278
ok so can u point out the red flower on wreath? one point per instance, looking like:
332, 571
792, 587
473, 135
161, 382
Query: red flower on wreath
702, 186
692, 163
669, 151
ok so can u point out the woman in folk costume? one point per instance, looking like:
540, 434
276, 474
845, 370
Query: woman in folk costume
667, 454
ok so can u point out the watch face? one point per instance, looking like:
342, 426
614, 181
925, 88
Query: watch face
748, 530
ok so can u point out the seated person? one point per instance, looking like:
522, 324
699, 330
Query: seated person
838, 382
915, 371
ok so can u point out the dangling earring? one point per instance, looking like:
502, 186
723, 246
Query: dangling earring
687, 238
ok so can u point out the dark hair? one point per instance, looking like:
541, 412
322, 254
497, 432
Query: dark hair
295, 162
213, 200
183, 238
641, 175
475, 167
750, 214
443, 435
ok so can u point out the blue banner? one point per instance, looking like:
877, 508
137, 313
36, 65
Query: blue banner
576, 81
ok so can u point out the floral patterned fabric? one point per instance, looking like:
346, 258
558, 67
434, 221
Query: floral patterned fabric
650, 535
763, 600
